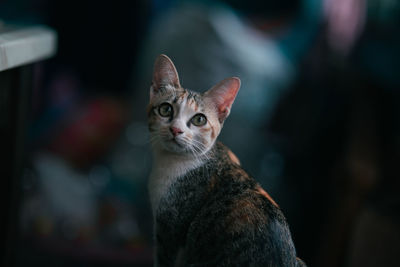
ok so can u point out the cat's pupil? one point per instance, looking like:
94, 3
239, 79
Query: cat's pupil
199, 120
165, 110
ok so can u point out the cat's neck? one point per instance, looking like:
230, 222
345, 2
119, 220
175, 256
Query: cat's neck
167, 168
173, 164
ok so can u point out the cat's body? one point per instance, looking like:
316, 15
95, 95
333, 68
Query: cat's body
207, 210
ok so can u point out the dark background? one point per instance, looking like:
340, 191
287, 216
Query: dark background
317, 121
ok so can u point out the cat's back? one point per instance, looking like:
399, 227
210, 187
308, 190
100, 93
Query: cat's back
238, 223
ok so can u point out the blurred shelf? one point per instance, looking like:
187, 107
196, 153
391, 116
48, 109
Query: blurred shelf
20, 48
23, 45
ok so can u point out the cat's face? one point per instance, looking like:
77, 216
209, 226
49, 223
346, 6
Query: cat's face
182, 121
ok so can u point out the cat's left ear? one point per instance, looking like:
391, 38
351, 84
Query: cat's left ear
164, 74
222, 95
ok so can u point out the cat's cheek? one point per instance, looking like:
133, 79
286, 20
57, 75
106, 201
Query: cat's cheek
189, 136
153, 127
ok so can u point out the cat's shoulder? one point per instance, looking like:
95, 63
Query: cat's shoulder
238, 173
225, 153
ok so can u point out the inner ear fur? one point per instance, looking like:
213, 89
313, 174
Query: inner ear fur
223, 95
164, 73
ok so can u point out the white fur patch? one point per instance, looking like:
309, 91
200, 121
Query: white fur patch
167, 167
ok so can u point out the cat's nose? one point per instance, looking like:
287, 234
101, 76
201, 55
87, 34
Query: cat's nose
175, 131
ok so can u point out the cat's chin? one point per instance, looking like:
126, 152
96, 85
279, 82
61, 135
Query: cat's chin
174, 146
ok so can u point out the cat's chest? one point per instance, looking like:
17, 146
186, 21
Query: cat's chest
178, 205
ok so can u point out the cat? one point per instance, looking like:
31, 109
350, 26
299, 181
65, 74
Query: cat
207, 210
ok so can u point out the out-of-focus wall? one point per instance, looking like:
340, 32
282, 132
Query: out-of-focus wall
316, 121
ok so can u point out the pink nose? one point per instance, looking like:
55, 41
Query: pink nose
175, 131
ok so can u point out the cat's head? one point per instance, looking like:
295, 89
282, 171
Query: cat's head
182, 121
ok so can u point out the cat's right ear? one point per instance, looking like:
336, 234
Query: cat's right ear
164, 74
222, 95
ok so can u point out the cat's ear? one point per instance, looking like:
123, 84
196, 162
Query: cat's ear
164, 74
223, 94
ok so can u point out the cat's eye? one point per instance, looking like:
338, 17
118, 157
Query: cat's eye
165, 110
199, 120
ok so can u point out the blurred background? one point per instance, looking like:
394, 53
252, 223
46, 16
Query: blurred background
317, 121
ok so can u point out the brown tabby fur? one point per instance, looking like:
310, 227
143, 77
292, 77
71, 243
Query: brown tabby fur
207, 210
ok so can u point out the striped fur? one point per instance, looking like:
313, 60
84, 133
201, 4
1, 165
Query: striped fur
207, 210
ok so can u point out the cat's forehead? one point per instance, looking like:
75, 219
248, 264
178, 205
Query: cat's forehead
190, 98
181, 96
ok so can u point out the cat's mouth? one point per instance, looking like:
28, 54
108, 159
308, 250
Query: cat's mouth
176, 142
175, 145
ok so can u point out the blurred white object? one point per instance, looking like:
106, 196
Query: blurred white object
20, 46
